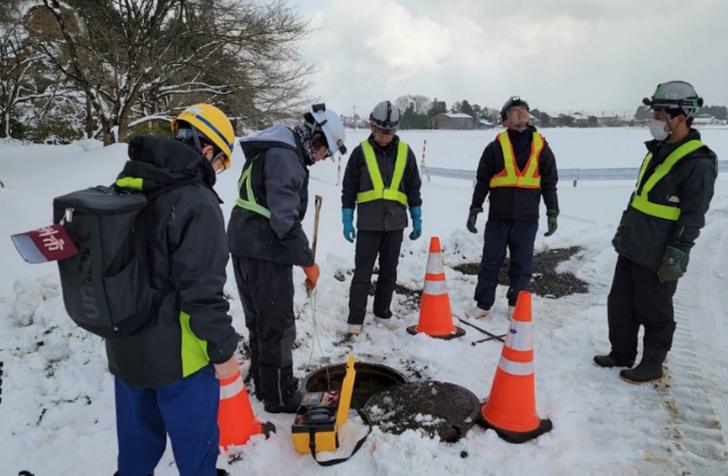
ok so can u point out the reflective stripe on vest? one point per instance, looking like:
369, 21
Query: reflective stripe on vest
250, 204
379, 192
511, 176
642, 202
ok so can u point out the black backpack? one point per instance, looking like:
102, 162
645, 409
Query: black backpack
107, 287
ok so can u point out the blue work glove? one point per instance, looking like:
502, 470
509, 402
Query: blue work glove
347, 218
416, 214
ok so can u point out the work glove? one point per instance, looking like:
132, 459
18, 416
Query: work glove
671, 269
416, 214
618, 236
347, 217
472, 218
552, 223
312, 275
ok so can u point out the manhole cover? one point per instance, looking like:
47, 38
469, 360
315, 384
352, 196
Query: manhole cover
370, 379
436, 408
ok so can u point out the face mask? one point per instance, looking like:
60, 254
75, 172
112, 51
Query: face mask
657, 129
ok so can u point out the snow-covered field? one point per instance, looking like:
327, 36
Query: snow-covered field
57, 410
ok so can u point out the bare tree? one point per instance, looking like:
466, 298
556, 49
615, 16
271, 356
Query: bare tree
140, 60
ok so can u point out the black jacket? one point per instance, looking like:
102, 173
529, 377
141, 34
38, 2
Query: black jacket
692, 180
187, 247
512, 203
381, 215
279, 179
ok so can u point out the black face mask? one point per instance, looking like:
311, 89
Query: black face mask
208, 173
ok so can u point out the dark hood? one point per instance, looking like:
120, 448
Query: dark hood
160, 161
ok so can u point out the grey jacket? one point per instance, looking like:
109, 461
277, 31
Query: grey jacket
691, 181
279, 179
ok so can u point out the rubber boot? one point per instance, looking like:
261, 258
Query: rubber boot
280, 390
649, 370
610, 360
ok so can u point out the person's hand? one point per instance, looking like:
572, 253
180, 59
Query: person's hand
552, 222
671, 269
227, 369
312, 275
472, 218
347, 218
416, 213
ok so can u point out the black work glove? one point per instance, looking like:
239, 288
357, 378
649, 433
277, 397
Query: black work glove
617, 237
553, 224
671, 269
472, 218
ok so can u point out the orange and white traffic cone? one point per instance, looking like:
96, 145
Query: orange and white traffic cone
511, 407
435, 313
235, 417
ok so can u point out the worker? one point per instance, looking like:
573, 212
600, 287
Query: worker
656, 233
383, 180
516, 169
266, 240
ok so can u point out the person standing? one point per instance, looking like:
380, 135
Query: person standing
167, 373
656, 233
516, 169
383, 180
266, 240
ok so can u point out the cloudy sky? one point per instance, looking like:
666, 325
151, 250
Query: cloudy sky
559, 55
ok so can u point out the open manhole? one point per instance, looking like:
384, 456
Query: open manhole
370, 379
435, 408
545, 280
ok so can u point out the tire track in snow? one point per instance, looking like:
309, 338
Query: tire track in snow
696, 389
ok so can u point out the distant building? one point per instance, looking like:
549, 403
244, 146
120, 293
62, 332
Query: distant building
706, 119
454, 120
484, 123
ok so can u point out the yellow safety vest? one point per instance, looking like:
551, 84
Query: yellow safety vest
379, 192
512, 176
642, 202
250, 204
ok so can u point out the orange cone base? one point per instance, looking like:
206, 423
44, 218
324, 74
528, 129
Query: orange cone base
517, 437
457, 332
265, 428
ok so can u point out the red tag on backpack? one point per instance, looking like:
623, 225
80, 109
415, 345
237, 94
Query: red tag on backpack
50, 243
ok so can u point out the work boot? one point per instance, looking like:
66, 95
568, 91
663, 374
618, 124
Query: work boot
280, 394
254, 375
610, 360
649, 370
388, 322
477, 313
354, 329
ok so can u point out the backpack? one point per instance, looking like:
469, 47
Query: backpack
107, 286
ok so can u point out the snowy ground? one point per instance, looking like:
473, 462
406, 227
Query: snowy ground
57, 411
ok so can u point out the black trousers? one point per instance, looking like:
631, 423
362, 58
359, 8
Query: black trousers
266, 291
638, 297
518, 236
369, 244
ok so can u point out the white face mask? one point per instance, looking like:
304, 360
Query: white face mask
657, 129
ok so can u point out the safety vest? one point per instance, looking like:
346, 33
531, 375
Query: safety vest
642, 202
250, 203
379, 192
512, 176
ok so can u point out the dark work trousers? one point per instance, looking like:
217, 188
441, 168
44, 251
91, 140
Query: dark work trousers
369, 244
638, 297
266, 291
185, 409
518, 236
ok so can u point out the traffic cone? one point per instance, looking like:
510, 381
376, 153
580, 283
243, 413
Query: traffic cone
510, 409
235, 417
435, 313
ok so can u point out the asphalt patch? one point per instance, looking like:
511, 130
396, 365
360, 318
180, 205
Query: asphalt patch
545, 281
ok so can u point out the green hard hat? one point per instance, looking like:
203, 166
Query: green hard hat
675, 96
